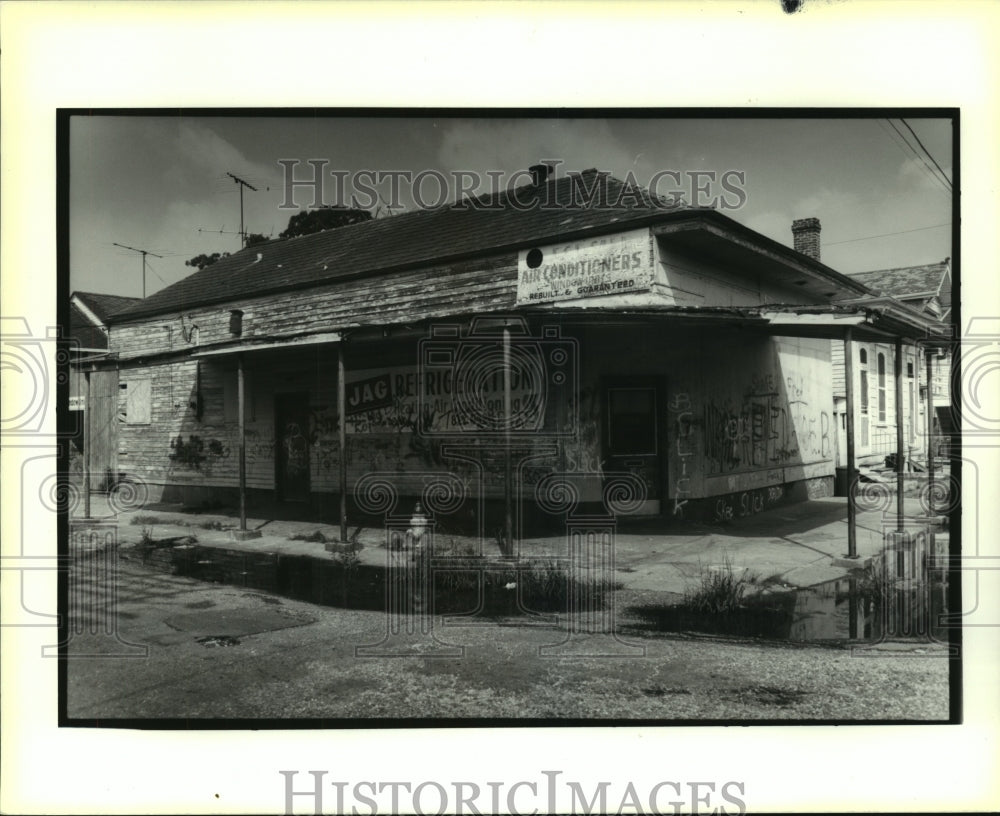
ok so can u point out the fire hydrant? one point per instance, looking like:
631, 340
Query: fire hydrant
418, 526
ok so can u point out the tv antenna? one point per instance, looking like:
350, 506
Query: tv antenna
144, 253
242, 184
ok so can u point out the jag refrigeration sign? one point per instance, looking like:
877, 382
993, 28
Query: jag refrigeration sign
603, 265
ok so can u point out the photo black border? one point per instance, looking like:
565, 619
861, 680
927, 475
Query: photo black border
65, 424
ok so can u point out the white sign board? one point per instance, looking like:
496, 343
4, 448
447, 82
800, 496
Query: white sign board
591, 267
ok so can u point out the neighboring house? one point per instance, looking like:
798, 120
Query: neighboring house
925, 289
672, 345
88, 332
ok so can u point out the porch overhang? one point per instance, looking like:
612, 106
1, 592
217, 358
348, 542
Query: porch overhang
269, 344
816, 321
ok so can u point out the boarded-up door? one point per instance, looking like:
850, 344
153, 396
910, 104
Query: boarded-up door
631, 440
291, 435
103, 427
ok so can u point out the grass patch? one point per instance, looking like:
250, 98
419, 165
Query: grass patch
725, 601
140, 520
513, 588
721, 590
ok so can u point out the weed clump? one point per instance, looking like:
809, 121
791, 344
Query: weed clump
721, 590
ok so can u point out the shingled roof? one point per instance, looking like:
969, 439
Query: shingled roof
82, 327
104, 306
498, 222
907, 282
83, 331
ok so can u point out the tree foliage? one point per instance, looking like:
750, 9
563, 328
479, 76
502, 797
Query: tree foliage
203, 260
307, 222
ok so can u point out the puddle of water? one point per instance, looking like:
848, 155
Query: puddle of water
466, 589
859, 608
847, 608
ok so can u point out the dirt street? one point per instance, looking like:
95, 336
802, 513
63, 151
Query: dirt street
184, 649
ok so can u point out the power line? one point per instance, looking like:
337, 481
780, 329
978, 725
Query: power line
929, 156
913, 150
885, 234
915, 154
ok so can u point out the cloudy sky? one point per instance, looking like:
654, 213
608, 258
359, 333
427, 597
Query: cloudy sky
160, 183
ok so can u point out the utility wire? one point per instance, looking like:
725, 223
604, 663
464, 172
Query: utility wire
929, 156
885, 234
923, 161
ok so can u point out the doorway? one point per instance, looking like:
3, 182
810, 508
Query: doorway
632, 440
291, 455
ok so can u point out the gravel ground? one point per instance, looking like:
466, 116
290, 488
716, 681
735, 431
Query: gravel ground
309, 668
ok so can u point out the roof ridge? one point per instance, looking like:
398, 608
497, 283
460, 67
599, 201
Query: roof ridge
942, 264
495, 221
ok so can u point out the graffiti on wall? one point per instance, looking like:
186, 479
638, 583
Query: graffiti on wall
682, 416
747, 503
765, 428
205, 455
583, 454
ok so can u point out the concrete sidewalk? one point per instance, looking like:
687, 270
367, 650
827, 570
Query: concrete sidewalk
794, 545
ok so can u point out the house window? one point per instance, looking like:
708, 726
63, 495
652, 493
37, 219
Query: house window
864, 381
912, 402
138, 402
881, 387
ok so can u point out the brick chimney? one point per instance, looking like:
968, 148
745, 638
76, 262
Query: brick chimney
805, 233
540, 173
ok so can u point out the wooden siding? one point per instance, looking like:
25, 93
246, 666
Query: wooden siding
103, 425
465, 288
837, 362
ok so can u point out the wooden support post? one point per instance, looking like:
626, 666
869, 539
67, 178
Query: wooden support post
342, 436
241, 417
852, 523
900, 444
87, 444
507, 420
930, 430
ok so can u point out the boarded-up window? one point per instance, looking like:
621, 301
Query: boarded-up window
138, 402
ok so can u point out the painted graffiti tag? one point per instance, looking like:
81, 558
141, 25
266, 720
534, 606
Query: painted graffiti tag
680, 406
747, 503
